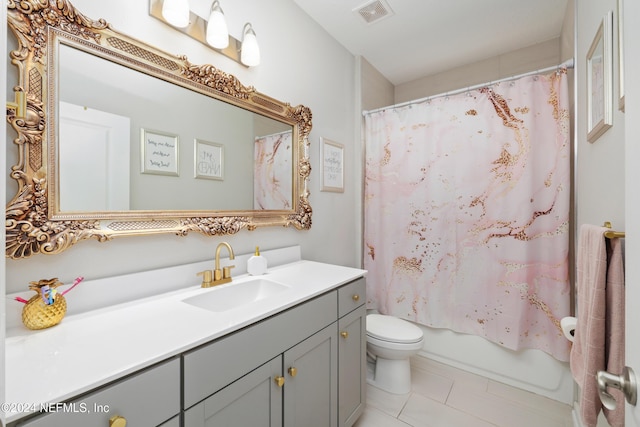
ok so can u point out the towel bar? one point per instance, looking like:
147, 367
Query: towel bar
612, 234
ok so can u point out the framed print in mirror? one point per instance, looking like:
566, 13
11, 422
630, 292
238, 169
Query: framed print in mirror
332, 156
159, 152
209, 160
599, 84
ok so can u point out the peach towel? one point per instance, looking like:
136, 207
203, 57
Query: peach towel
614, 332
598, 330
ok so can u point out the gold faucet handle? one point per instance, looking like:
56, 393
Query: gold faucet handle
207, 278
226, 271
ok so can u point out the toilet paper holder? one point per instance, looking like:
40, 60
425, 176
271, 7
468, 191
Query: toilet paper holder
568, 326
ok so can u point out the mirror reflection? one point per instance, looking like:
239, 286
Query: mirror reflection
131, 141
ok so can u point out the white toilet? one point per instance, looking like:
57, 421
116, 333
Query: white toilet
391, 341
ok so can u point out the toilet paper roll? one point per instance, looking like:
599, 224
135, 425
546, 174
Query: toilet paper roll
568, 325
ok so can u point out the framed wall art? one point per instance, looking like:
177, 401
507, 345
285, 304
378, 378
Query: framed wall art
332, 157
599, 81
208, 160
620, 56
159, 152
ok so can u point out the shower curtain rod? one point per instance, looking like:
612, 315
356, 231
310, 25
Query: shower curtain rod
566, 64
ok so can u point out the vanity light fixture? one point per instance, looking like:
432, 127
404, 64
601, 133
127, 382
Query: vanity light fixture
176, 12
212, 32
250, 53
217, 31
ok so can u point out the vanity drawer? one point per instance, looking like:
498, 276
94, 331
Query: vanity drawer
351, 296
148, 398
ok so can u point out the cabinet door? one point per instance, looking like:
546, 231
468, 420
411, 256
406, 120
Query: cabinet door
254, 400
352, 366
310, 390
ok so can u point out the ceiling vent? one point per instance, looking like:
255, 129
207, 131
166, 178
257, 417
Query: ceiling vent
374, 11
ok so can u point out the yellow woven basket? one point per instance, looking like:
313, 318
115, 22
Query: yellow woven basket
38, 315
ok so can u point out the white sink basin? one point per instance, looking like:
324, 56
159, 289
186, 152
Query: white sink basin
235, 295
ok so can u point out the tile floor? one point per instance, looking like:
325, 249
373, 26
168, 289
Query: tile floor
443, 396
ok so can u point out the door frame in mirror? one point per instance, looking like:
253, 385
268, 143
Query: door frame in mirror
33, 221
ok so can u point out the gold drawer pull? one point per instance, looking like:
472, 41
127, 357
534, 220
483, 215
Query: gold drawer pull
117, 421
356, 297
279, 381
293, 371
344, 334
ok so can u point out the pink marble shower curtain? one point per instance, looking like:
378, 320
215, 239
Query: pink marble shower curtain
467, 212
273, 182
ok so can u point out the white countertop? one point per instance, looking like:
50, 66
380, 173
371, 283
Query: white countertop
91, 349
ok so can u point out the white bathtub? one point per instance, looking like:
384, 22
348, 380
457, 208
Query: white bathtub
531, 370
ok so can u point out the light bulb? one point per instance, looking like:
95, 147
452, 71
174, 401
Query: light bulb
217, 31
250, 53
176, 12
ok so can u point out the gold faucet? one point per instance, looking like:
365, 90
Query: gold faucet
207, 278
224, 275
218, 276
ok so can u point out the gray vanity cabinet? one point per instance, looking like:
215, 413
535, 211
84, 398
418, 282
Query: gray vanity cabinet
311, 388
304, 367
148, 398
253, 400
352, 364
352, 352
304, 376
279, 372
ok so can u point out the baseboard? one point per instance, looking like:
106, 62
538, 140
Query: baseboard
577, 422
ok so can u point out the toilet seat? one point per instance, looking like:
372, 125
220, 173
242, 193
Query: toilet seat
381, 347
393, 330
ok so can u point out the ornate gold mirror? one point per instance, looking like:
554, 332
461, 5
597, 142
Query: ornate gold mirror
118, 138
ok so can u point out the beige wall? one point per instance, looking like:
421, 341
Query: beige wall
600, 184
379, 91
376, 89
600, 171
523, 60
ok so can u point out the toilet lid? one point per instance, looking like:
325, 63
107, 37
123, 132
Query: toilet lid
390, 328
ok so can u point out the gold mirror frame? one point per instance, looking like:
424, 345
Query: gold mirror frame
32, 226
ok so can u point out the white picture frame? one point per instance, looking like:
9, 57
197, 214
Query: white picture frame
332, 157
208, 161
599, 81
620, 56
159, 152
